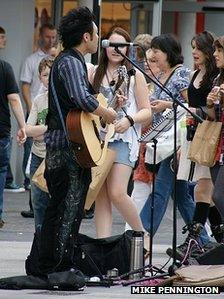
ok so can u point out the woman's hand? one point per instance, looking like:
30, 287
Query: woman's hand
213, 95
122, 125
120, 99
160, 105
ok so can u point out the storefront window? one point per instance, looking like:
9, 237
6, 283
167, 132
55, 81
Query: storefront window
112, 14
43, 9
68, 5
115, 14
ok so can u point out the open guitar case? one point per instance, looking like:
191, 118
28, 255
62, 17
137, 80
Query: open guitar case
93, 257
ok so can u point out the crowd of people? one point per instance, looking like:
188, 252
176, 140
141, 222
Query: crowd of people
139, 104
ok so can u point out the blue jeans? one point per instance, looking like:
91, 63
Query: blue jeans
39, 198
4, 161
164, 186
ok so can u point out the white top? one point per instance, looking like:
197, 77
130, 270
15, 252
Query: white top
37, 116
131, 108
30, 74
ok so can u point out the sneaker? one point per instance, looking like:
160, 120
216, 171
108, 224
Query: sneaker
27, 214
1, 223
14, 188
190, 248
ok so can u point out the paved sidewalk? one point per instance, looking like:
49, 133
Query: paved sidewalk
16, 238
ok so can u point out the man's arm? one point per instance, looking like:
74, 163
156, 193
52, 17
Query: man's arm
26, 95
78, 90
17, 110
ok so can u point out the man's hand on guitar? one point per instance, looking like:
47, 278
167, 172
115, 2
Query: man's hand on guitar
109, 116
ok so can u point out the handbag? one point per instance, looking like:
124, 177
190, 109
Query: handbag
165, 142
204, 144
163, 132
38, 177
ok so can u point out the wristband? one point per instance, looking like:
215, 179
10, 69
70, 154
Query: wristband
131, 121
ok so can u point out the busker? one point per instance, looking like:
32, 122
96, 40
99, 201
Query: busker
66, 180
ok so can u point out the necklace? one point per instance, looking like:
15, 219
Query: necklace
111, 75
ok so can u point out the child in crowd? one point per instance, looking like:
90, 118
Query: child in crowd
35, 127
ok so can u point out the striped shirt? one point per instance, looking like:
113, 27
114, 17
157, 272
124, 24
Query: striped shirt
73, 91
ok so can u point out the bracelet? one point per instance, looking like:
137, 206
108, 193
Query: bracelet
131, 121
210, 105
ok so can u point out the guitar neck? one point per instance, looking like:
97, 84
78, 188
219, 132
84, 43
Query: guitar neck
113, 102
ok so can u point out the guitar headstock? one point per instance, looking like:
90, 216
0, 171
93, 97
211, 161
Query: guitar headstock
123, 73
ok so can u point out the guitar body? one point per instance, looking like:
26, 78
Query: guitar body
84, 133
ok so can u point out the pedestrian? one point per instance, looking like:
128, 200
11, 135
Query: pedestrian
31, 87
35, 128
9, 96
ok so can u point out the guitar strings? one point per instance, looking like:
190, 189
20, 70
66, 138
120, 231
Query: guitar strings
112, 83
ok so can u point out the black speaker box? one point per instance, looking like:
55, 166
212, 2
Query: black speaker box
215, 256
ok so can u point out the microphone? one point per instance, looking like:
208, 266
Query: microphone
106, 44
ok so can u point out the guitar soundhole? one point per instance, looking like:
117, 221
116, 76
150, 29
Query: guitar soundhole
96, 130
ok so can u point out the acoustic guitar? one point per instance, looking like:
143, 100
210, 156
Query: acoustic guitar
84, 134
89, 139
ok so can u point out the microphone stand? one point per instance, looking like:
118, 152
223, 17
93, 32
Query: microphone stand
176, 102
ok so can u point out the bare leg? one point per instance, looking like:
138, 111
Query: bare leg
139, 196
103, 214
117, 182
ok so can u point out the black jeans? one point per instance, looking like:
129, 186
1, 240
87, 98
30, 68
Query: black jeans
68, 184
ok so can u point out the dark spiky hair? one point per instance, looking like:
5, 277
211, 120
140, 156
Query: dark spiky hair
73, 25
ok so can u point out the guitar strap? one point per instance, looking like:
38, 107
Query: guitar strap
55, 98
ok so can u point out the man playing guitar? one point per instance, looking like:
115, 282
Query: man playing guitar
67, 182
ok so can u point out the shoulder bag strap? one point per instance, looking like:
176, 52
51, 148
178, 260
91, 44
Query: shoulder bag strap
171, 74
167, 80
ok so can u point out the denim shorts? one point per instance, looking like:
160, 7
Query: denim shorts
123, 152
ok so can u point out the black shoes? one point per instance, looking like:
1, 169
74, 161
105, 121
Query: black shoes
218, 232
27, 214
190, 247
